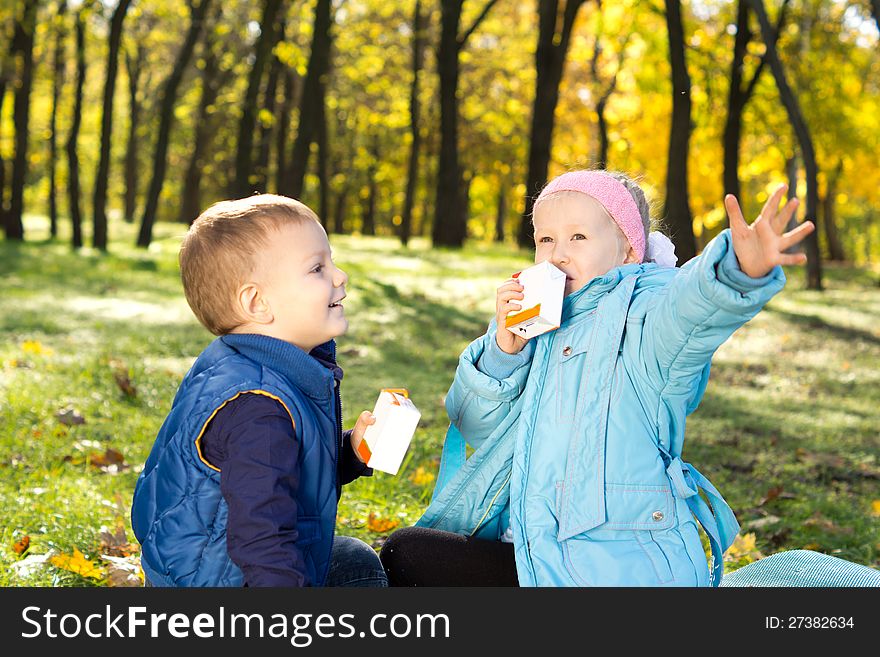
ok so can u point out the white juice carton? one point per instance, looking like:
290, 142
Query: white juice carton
542, 306
385, 443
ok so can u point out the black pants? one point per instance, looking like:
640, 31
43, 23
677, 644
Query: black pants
416, 556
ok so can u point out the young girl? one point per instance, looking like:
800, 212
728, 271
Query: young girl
576, 478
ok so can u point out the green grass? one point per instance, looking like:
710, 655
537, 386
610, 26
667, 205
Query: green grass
793, 401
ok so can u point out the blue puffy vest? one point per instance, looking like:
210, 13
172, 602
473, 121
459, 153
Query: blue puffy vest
178, 513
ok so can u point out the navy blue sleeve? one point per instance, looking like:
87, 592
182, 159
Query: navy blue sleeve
350, 466
253, 442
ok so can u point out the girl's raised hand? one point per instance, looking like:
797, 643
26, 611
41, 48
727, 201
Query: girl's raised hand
761, 246
505, 303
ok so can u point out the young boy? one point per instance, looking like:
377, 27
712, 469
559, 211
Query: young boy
242, 484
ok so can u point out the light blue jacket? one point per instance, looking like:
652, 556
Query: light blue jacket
578, 438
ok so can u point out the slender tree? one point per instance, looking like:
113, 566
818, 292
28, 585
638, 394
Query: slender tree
312, 101
263, 51
740, 93
134, 66
99, 237
73, 185
554, 36
290, 98
57, 84
501, 213
449, 227
166, 118
4, 73
832, 236
213, 80
418, 60
23, 47
605, 88
267, 128
678, 210
811, 243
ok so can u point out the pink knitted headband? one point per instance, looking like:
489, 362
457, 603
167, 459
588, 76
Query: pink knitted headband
612, 194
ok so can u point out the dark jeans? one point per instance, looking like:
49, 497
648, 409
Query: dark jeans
353, 563
417, 556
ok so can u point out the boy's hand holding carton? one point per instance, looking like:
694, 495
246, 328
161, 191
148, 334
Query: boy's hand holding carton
529, 304
387, 438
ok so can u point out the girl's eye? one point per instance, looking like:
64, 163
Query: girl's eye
578, 236
318, 269
545, 240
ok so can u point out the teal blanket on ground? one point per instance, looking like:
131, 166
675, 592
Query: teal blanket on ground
803, 568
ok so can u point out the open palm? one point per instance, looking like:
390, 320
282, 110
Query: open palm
761, 246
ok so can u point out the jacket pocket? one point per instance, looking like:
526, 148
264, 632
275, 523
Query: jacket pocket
622, 551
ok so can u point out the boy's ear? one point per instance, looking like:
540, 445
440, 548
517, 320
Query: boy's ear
253, 306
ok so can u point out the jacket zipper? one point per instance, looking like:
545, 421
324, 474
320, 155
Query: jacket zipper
338, 408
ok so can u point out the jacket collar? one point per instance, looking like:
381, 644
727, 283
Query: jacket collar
313, 372
588, 297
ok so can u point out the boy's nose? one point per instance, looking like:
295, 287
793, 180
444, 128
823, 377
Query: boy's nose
341, 278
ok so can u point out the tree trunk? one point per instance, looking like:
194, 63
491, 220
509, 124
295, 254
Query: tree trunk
450, 225
418, 60
291, 88
244, 153
678, 210
739, 96
323, 178
99, 238
191, 197
832, 236
368, 207
875, 11
2, 162
501, 214
270, 102
447, 231
312, 102
169, 97
73, 187
133, 66
814, 265
736, 102
339, 211
549, 64
57, 84
23, 46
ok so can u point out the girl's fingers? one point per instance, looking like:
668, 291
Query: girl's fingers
734, 213
780, 221
795, 236
772, 204
792, 258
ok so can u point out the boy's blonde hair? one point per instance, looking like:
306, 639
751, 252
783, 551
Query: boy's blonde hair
219, 253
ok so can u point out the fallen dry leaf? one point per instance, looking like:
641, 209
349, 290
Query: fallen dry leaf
421, 476
77, 563
123, 571
120, 375
116, 544
70, 416
110, 461
380, 525
771, 495
20, 547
